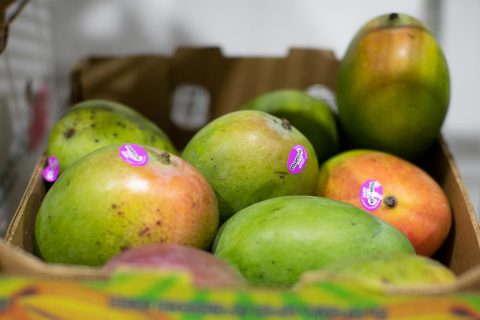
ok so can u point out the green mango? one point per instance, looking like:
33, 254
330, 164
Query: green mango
92, 124
311, 116
275, 241
393, 87
385, 272
244, 155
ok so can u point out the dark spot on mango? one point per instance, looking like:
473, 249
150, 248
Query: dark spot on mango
97, 141
390, 202
124, 248
120, 213
144, 231
354, 223
69, 133
114, 205
97, 242
115, 134
385, 280
281, 174
163, 157
93, 125
286, 124
158, 223
121, 124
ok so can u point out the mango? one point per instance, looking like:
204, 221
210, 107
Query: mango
123, 196
205, 269
273, 242
393, 87
92, 124
312, 117
248, 156
392, 189
385, 272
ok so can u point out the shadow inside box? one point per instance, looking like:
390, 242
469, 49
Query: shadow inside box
466, 152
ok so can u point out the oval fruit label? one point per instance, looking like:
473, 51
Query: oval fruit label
50, 172
297, 159
371, 194
133, 154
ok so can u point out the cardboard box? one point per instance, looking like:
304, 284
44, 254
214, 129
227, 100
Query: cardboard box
149, 84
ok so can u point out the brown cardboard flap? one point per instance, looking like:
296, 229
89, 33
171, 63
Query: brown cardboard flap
14, 261
22, 227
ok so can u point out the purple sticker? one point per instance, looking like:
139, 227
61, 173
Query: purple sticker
133, 154
297, 159
50, 172
371, 194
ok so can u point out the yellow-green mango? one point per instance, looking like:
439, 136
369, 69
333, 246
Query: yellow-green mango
273, 242
92, 124
393, 87
386, 271
313, 117
246, 157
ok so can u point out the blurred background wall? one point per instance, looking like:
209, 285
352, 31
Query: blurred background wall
75, 29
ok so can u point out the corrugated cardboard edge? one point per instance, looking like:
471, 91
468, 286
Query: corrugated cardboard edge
469, 234
31, 198
15, 262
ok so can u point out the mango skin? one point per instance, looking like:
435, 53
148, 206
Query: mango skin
273, 242
101, 206
92, 124
393, 87
391, 271
312, 117
422, 211
243, 155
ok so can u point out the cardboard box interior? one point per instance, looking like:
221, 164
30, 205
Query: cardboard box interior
148, 83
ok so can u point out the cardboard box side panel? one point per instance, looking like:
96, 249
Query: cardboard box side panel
21, 231
232, 81
461, 249
465, 245
141, 82
228, 81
